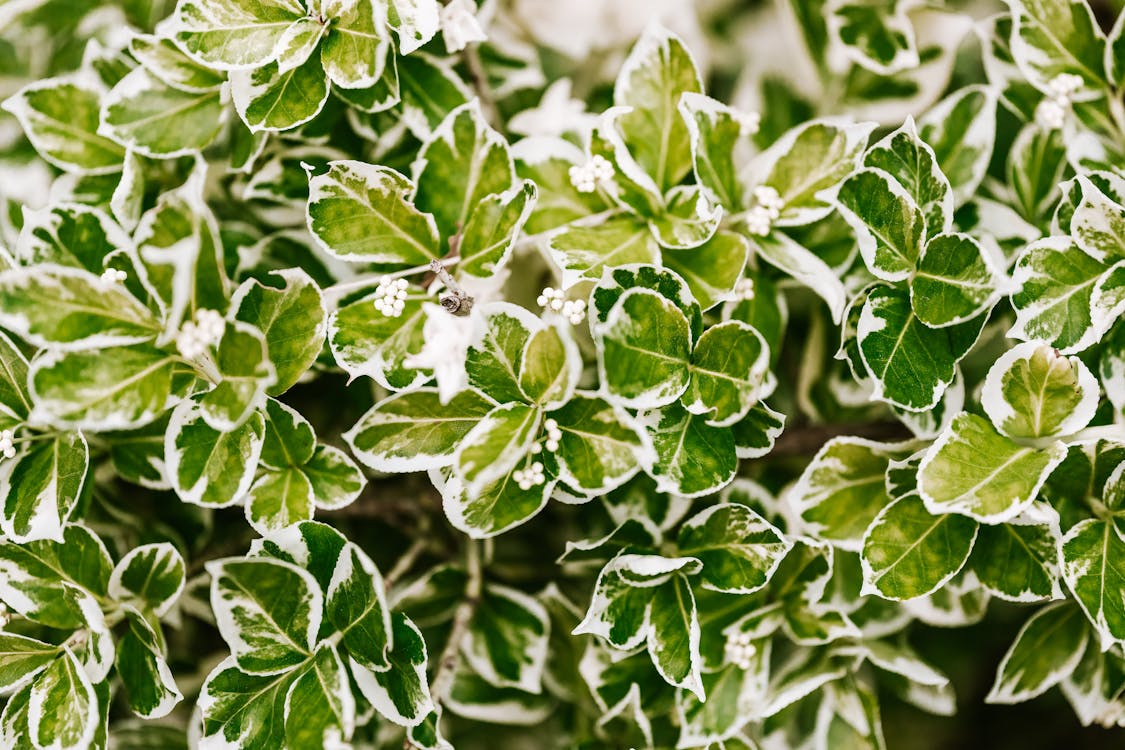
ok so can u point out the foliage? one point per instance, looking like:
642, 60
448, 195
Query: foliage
359, 388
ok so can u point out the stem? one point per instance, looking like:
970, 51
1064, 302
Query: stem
451, 654
406, 562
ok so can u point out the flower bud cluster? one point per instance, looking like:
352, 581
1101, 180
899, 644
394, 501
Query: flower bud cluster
740, 650
761, 217
7, 444
591, 175
196, 337
390, 296
1051, 112
530, 477
555, 300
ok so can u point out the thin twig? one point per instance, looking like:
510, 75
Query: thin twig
413, 552
451, 654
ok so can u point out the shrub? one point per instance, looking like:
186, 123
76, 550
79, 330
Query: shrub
382, 373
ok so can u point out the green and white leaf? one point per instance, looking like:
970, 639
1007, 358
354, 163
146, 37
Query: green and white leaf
914, 165
400, 694
645, 599
644, 357
364, 341
912, 364
62, 709
1053, 305
60, 118
246, 372
909, 552
41, 486
729, 368
600, 447
365, 213
783, 252
464, 162
806, 165
975, 471
234, 35
588, 251
1033, 392
493, 228
151, 575
658, 71
961, 130
414, 431
356, 606
152, 118
690, 457
119, 388
292, 318
1053, 37
956, 280
1093, 561
739, 549
1018, 561
889, 226
506, 642
843, 488
69, 308
268, 612
208, 467
271, 99
1047, 649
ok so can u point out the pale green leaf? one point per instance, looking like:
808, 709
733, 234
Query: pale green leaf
1047, 649
154, 119
909, 552
70, 308
644, 357
60, 118
843, 488
1031, 391
361, 212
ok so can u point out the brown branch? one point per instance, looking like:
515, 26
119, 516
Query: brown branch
807, 439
